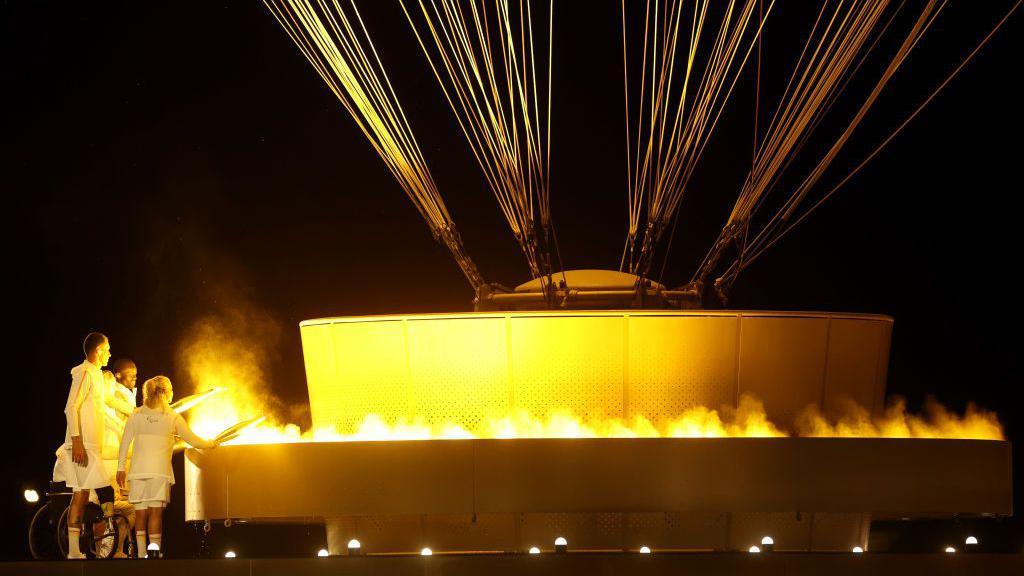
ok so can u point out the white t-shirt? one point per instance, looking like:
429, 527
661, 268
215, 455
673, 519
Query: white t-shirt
120, 403
153, 433
85, 419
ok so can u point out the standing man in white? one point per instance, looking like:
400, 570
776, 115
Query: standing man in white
83, 440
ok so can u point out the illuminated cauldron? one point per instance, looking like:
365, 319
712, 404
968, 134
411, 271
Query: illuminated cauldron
599, 493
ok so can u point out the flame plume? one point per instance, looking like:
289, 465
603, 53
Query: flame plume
214, 358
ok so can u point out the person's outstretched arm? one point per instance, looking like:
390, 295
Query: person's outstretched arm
118, 403
185, 433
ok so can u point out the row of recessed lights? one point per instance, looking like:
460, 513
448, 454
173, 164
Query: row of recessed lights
354, 547
562, 545
767, 543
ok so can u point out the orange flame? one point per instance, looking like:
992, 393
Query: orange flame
748, 420
895, 422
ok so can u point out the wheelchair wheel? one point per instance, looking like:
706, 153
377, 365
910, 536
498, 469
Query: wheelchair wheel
94, 542
103, 544
42, 536
99, 533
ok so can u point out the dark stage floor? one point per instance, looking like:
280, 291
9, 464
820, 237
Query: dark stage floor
550, 564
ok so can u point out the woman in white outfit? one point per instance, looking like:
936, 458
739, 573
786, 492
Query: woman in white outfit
152, 428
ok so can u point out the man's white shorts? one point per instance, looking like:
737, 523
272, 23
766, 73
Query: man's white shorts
89, 477
149, 492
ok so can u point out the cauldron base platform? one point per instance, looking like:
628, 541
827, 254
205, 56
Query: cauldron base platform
709, 564
601, 494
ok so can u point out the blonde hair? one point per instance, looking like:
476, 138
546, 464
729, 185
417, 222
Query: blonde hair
157, 392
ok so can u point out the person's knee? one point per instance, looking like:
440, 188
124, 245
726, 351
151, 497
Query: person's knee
105, 494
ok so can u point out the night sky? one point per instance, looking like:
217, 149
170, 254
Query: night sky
170, 162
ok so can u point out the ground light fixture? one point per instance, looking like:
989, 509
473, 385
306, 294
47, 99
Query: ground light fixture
767, 543
354, 547
230, 554
645, 550
561, 544
971, 541
153, 550
31, 496
323, 553
950, 550
534, 550
426, 552
857, 550
754, 550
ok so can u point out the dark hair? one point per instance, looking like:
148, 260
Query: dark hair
123, 364
92, 342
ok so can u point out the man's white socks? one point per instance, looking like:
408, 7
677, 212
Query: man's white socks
74, 552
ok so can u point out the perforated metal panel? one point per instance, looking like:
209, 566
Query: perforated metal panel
580, 369
466, 368
601, 531
674, 366
382, 533
677, 530
371, 365
482, 532
789, 532
782, 362
597, 531
459, 370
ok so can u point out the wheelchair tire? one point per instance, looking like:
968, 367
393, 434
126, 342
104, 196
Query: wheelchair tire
85, 542
42, 536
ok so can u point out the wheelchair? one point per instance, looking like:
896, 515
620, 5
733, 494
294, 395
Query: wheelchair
48, 531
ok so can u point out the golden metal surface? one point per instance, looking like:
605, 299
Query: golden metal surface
686, 492
467, 368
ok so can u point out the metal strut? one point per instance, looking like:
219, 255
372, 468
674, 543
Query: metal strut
652, 234
449, 236
731, 235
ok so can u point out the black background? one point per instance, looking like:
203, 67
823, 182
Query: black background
169, 161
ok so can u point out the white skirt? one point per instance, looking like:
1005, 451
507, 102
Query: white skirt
149, 492
89, 477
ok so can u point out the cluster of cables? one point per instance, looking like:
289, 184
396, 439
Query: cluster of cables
666, 140
694, 52
484, 58
339, 47
678, 105
787, 134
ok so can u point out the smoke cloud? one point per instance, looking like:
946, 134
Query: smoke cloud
937, 421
